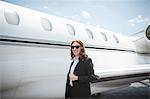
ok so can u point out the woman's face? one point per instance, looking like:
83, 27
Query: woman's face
76, 48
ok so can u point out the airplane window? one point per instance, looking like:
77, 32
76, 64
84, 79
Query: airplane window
89, 33
11, 17
104, 36
46, 24
116, 39
71, 29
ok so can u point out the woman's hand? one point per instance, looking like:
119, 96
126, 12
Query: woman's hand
73, 77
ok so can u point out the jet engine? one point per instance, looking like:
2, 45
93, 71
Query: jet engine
142, 44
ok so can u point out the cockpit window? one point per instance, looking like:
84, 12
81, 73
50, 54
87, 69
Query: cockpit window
90, 34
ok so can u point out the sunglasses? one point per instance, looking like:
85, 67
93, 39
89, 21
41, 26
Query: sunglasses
72, 47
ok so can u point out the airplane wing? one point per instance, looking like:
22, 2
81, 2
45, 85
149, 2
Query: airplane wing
111, 78
140, 71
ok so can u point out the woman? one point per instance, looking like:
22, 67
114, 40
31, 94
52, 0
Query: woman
80, 74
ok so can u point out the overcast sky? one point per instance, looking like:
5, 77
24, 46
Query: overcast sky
122, 16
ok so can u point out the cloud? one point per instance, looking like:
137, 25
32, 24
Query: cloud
92, 1
76, 17
45, 7
85, 14
82, 17
137, 20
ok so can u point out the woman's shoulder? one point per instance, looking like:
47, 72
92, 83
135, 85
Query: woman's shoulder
86, 59
87, 62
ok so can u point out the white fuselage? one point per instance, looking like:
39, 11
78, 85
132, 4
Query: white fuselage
34, 61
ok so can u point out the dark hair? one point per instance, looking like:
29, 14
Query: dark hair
82, 53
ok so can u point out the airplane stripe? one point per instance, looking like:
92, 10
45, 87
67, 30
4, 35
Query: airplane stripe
57, 43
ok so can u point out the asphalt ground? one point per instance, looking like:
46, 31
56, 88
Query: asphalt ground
135, 91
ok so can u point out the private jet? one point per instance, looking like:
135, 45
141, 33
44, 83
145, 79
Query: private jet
35, 54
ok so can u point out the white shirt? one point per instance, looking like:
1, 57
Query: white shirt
76, 60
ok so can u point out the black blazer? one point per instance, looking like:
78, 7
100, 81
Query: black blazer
81, 88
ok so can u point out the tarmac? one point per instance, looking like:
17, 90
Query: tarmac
134, 91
